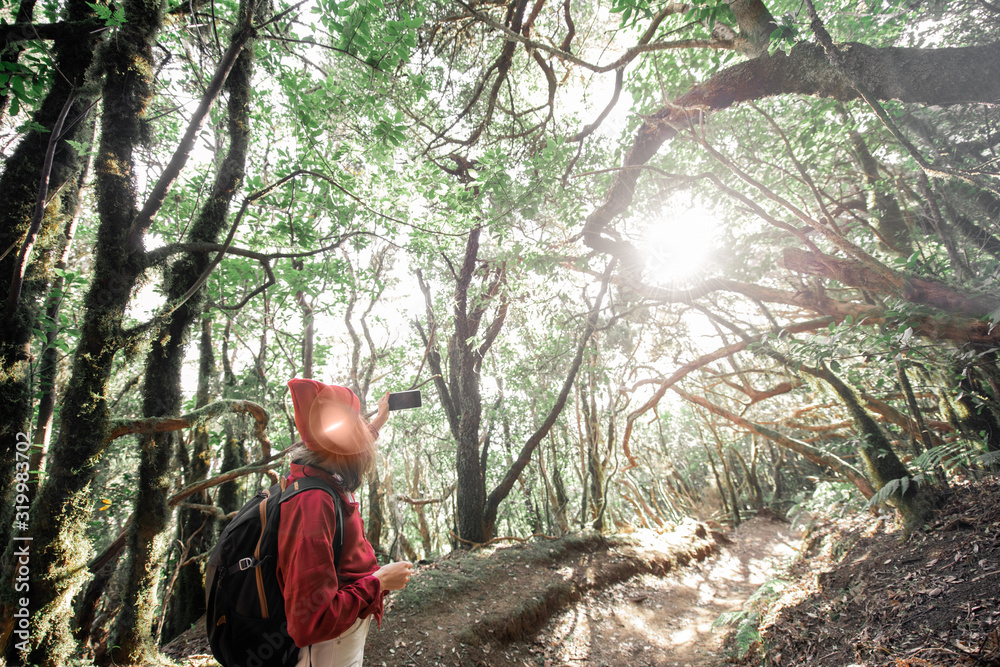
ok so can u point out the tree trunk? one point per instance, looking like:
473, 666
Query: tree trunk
49, 367
777, 463
308, 333
734, 499
194, 527
129, 640
884, 466
61, 511
88, 602
560, 500
459, 388
911, 403
376, 515
756, 494
561, 506
891, 224
229, 497
975, 418
959, 265
715, 475
20, 184
595, 469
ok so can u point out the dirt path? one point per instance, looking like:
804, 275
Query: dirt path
651, 620
579, 601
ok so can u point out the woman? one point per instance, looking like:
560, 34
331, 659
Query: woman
330, 608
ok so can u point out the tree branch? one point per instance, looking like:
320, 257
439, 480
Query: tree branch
524, 457
180, 157
809, 452
262, 466
704, 360
914, 289
925, 76
420, 502
120, 427
56, 32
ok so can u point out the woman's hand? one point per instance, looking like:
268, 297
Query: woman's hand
395, 576
383, 412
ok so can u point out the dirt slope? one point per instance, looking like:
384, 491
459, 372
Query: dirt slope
863, 599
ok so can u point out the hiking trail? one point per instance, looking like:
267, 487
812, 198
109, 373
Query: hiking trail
667, 621
586, 601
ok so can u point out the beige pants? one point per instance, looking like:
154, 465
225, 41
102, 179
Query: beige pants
347, 650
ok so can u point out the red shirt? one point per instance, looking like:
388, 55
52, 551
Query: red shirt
321, 602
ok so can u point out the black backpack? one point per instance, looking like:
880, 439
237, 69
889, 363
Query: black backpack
245, 619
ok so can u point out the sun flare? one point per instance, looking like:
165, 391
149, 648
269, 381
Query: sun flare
678, 245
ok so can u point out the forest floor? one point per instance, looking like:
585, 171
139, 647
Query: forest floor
652, 620
861, 598
846, 594
585, 600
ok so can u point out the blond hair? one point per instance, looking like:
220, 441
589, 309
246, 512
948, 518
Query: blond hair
351, 468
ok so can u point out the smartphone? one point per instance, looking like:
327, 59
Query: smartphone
403, 400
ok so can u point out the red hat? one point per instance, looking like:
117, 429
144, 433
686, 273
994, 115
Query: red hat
326, 416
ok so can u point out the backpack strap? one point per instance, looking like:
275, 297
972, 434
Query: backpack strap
308, 483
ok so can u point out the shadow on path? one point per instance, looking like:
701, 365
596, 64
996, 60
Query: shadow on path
667, 621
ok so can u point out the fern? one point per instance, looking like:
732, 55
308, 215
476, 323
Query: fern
989, 458
747, 635
748, 619
949, 456
894, 488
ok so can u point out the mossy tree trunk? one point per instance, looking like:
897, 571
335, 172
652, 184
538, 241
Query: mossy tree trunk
560, 497
376, 512
48, 368
975, 414
20, 181
777, 463
734, 498
890, 222
750, 473
195, 529
723, 498
130, 641
595, 467
926, 442
234, 453
61, 511
229, 497
884, 466
459, 388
